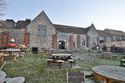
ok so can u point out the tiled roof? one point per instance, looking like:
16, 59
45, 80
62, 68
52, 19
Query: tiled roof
69, 29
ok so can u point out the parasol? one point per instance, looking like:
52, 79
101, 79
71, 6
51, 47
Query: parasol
11, 44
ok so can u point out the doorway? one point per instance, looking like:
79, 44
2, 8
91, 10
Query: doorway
61, 44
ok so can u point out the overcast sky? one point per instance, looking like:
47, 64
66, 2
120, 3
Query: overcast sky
102, 13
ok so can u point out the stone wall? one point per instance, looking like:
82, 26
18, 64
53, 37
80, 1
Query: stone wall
17, 34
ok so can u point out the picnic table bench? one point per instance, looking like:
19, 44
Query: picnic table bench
59, 62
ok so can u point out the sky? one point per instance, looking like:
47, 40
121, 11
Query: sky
102, 13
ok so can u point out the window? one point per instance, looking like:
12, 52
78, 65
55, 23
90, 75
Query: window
41, 30
63, 34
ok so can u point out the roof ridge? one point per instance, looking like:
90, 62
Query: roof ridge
68, 26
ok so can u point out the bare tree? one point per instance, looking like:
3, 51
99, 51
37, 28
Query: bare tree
2, 7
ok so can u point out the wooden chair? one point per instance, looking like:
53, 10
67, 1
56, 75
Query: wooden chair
76, 77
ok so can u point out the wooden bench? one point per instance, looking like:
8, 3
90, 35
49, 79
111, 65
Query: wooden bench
59, 62
49, 61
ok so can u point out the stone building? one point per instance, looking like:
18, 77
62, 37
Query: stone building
42, 33
45, 34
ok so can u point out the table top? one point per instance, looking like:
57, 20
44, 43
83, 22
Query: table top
112, 72
61, 54
11, 50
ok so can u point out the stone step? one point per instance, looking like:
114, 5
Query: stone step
87, 73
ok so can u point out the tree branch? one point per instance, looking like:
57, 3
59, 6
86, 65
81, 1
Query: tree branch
2, 7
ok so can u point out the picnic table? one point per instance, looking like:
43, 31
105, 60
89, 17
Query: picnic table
60, 58
109, 74
8, 52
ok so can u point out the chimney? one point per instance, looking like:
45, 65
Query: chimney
10, 20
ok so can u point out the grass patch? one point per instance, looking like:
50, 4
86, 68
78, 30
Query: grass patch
33, 67
30, 67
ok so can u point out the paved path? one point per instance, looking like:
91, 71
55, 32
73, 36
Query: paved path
85, 57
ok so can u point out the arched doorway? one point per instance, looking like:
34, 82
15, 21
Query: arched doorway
61, 44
